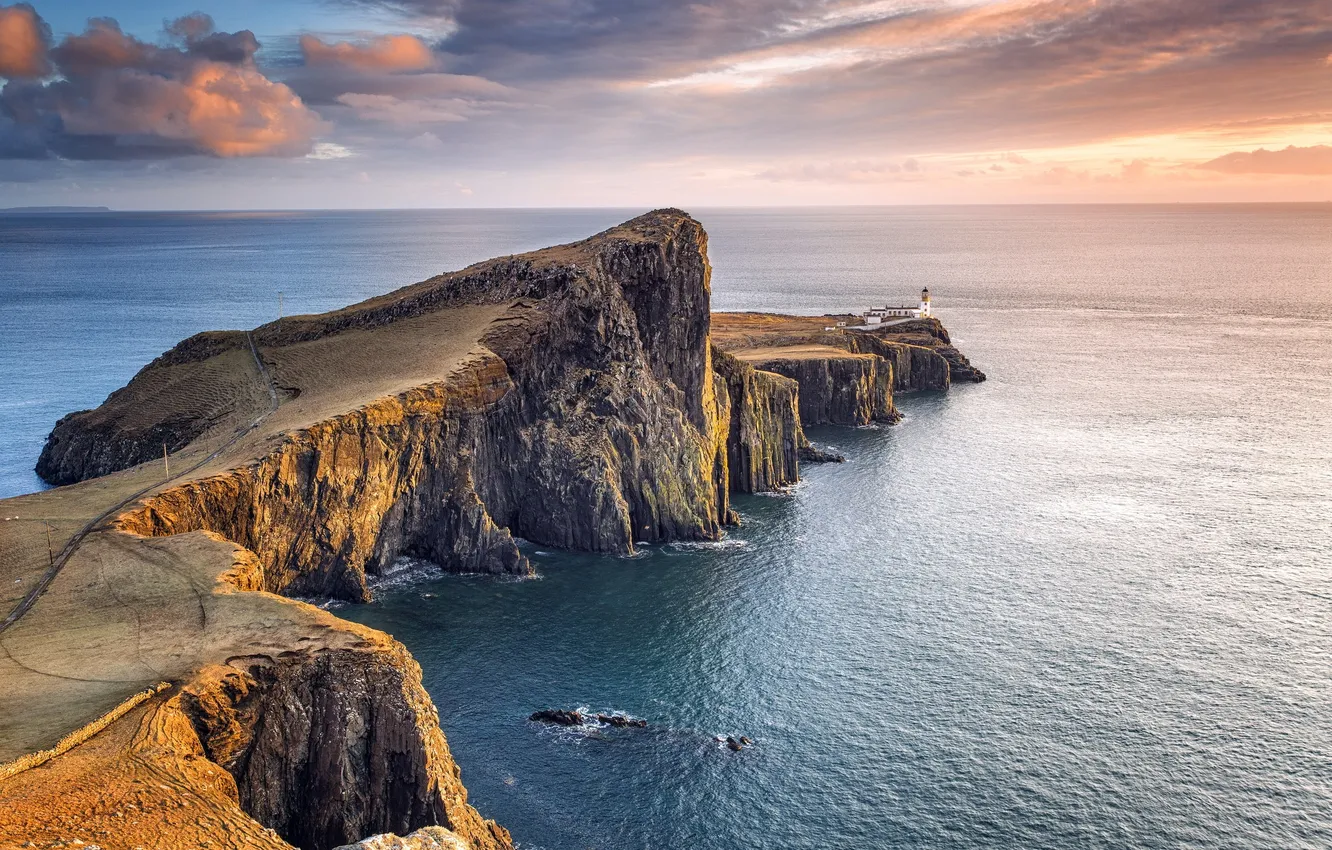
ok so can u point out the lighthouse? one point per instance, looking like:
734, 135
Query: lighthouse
925, 303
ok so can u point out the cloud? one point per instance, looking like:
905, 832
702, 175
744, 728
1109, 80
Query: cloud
1315, 160
116, 97
24, 41
329, 150
386, 53
326, 85
387, 109
1134, 172
941, 76
844, 172
1060, 175
852, 86
389, 81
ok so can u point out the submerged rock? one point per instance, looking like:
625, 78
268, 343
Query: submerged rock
621, 720
559, 717
809, 453
564, 717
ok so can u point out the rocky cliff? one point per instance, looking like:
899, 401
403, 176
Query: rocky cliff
838, 389
328, 747
589, 414
847, 375
931, 336
570, 397
764, 435
285, 726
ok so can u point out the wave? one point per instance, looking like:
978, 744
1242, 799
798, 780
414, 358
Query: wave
402, 573
726, 544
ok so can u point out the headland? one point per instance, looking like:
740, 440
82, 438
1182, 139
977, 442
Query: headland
581, 397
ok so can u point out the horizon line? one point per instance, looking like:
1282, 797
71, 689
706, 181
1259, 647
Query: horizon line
92, 209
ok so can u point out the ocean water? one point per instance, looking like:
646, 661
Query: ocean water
1086, 604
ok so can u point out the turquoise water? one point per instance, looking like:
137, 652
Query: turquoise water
1086, 604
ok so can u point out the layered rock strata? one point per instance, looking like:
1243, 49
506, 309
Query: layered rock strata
328, 747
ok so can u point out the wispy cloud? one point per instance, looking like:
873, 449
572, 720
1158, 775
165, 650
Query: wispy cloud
384, 53
1315, 160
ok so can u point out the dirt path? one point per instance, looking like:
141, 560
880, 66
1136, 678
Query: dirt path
72, 545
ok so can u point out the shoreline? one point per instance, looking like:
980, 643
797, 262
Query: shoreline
384, 464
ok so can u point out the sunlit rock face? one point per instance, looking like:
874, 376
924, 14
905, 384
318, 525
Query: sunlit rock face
923, 356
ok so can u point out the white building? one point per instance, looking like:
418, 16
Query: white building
876, 315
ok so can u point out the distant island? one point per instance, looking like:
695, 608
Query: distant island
50, 210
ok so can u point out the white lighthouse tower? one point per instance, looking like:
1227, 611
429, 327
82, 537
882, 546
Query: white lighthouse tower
925, 303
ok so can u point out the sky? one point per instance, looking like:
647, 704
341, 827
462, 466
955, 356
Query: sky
266, 104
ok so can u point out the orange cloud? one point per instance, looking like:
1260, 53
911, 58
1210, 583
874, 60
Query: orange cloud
121, 98
386, 53
23, 42
214, 108
1314, 160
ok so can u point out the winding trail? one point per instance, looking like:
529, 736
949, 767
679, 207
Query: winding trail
92, 525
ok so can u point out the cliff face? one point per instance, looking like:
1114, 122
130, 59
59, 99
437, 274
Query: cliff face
347, 495
331, 746
285, 726
914, 367
764, 437
930, 335
848, 375
839, 390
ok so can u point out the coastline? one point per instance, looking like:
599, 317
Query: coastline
672, 410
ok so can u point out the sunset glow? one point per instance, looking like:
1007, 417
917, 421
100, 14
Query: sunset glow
435, 103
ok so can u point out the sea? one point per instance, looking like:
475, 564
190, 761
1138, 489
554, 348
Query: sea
1085, 604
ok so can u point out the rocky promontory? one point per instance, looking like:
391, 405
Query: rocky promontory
572, 397
848, 374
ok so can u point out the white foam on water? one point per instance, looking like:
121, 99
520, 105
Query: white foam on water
402, 573
723, 545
